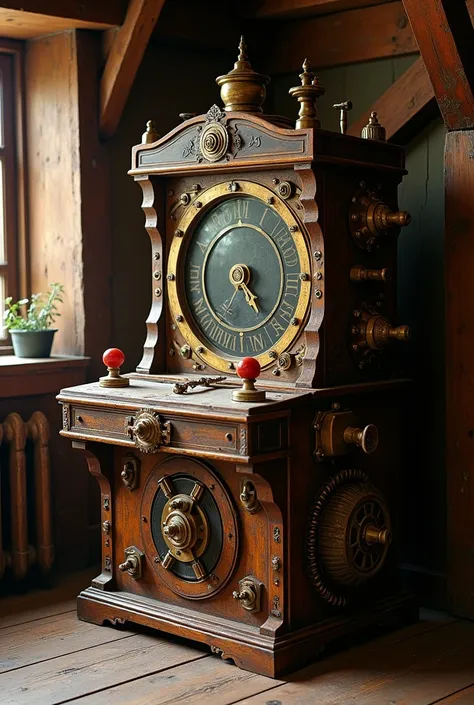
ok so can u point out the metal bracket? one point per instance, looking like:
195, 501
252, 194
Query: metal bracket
130, 472
133, 562
249, 593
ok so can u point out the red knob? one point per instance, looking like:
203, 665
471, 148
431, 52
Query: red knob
248, 368
113, 357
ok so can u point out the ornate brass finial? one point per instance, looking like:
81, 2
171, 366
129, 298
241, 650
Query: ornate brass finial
307, 95
243, 89
373, 130
343, 108
150, 135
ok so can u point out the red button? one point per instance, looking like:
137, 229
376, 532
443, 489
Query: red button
113, 357
248, 368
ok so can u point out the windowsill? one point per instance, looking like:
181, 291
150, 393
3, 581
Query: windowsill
21, 377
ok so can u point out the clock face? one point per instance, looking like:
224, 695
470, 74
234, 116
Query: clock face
241, 269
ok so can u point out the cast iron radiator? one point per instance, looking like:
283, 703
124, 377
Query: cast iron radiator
25, 507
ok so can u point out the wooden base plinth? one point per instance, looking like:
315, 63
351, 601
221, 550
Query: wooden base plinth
246, 646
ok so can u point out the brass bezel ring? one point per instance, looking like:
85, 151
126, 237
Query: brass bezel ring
175, 285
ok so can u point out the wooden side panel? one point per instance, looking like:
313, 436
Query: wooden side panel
459, 254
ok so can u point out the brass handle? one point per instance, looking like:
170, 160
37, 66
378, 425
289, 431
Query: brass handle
400, 218
379, 332
148, 432
365, 438
132, 563
399, 332
145, 429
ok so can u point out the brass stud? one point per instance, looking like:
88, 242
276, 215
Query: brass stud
178, 233
294, 321
171, 352
276, 372
170, 277
293, 228
158, 291
270, 200
233, 186
318, 254
230, 365
179, 318
156, 256
272, 355
275, 181
184, 198
318, 293
319, 276
200, 349
157, 275
198, 204
304, 277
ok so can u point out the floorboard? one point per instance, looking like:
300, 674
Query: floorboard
49, 657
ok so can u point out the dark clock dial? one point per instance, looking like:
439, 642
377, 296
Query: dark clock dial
242, 277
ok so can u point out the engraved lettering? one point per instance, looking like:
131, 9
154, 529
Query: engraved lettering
200, 307
254, 342
222, 337
292, 284
240, 209
195, 278
267, 210
201, 246
286, 311
255, 141
277, 327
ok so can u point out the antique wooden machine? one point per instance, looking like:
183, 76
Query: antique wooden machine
262, 520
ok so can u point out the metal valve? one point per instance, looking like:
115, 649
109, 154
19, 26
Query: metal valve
249, 593
132, 563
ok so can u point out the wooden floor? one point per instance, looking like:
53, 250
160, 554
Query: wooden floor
48, 657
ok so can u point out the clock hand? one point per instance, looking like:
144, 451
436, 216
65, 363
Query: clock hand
249, 296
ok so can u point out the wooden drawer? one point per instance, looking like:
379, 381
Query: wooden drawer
99, 422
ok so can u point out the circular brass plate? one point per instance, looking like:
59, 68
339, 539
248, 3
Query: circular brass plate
224, 567
176, 264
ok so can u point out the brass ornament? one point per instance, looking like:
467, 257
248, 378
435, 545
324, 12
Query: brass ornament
185, 530
373, 130
307, 95
249, 594
370, 218
176, 298
214, 142
148, 432
243, 89
348, 536
150, 135
285, 190
285, 361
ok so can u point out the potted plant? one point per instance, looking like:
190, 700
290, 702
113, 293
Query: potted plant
29, 322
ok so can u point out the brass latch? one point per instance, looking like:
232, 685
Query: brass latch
337, 431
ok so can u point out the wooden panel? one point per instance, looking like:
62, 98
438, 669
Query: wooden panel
102, 12
401, 104
445, 37
27, 377
459, 257
51, 637
464, 697
342, 38
295, 8
76, 674
124, 59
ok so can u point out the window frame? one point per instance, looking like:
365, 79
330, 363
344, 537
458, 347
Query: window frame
16, 244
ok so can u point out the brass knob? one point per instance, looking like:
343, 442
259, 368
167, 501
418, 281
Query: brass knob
359, 274
400, 218
365, 438
147, 431
379, 332
399, 332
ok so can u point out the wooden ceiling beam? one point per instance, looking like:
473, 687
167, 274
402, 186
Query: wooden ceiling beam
445, 37
404, 107
277, 9
123, 60
109, 13
332, 40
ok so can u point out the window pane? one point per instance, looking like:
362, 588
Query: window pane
3, 332
3, 256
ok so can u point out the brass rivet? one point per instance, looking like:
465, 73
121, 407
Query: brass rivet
178, 233
318, 293
196, 187
319, 276
156, 256
293, 228
318, 254
198, 204
304, 277
156, 559
355, 217
179, 318
184, 198
272, 355
230, 365
275, 181
276, 372
171, 352
170, 277
157, 291
157, 275
270, 200
233, 186
200, 349
294, 321
354, 330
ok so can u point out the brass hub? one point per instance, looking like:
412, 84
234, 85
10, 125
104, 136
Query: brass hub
185, 528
